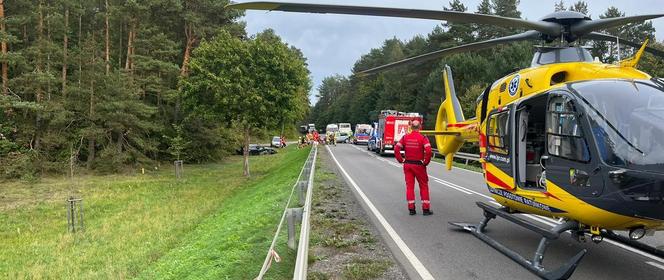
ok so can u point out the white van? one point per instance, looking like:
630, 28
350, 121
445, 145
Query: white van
345, 132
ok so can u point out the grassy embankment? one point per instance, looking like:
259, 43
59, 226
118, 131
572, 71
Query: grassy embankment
213, 224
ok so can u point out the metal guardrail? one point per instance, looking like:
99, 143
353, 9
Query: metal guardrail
466, 156
304, 186
302, 259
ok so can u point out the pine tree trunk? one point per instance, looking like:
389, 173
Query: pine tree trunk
120, 141
39, 93
91, 115
184, 70
108, 42
91, 152
40, 41
48, 53
3, 46
131, 36
65, 42
189, 34
120, 45
246, 151
128, 48
26, 40
80, 57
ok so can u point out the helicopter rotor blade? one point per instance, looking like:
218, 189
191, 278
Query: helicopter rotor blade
528, 35
585, 27
549, 28
610, 38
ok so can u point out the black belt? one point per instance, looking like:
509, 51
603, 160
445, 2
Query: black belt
418, 162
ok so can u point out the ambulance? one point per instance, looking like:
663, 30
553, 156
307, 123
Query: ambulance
362, 134
392, 125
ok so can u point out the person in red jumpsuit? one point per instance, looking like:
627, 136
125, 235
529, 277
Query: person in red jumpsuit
316, 137
418, 154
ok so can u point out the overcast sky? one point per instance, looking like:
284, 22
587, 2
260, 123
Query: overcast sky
332, 43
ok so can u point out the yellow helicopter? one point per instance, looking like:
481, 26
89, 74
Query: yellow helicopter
569, 138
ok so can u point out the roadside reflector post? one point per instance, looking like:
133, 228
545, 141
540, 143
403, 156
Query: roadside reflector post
294, 215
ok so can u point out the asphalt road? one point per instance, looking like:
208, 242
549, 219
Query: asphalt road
428, 248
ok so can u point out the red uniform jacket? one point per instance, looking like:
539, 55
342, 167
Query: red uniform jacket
417, 149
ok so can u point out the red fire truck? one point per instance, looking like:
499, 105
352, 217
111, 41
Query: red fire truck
392, 125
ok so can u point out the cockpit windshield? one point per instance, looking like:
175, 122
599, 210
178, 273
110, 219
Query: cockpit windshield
545, 56
627, 121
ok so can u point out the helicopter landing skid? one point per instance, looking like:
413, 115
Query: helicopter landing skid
548, 235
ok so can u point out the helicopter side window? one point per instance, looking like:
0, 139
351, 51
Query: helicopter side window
564, 135
498, 136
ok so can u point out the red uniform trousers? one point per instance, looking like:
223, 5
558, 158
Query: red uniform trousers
419, 172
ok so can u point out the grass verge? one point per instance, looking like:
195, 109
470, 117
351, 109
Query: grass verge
344, 245
472, 167
211, 224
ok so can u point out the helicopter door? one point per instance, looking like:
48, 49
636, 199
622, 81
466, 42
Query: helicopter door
529, 143
569, 164
499, 140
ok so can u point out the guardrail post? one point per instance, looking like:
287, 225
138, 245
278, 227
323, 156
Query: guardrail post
302, 192
293, 215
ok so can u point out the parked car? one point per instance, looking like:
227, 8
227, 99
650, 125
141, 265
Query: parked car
276, 142
255, 149
342, 137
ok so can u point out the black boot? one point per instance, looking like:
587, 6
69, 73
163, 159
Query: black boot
412, 211
426, 212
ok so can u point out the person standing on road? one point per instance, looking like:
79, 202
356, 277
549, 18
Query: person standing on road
316, 137
333, 139
418, 154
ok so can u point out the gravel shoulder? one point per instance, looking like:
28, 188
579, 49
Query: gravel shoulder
344, 243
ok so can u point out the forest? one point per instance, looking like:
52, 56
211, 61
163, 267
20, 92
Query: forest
108, 85
418, 88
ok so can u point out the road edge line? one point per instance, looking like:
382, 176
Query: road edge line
410, 256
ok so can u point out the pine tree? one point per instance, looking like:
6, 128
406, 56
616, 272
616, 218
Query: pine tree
581, 7
484, 31
462, 32
505, 8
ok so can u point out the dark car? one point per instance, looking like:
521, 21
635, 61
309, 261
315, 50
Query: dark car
255, 149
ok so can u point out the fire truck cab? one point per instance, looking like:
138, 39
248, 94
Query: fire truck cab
392, 125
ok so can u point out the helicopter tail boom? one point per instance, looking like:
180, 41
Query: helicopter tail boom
452, 129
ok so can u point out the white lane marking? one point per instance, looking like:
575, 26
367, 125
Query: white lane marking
637, 251
444, 182
657, 265
414, 261
463, 188
551, 222
450, 186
